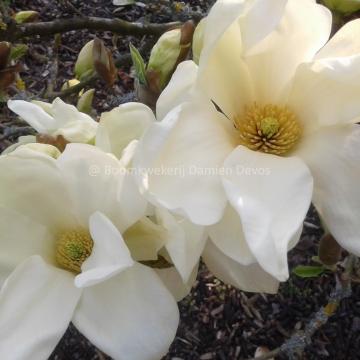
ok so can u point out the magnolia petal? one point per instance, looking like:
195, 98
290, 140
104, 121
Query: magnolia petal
250, 278
47, 107
192, 137
34, 115
174, 282
94, 179
346, 42
36, 306
129, 193
333, 156
331, 97
45, 149
272, 196
72, 124
225, 77
304, 28
145, 239
178, 90
122, 125
221, 16
228, 236
133, 203
78, 131
20, 237
128, 154
109, 255
44, 198
231, 30
267, 13
65, 113
184, 242
246, 15
223, 74
131, 316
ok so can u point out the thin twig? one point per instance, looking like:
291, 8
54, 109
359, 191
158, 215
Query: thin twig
116, 26
54, 66
298, 342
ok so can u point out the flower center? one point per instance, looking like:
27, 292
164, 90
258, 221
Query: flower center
73, 248
270, 129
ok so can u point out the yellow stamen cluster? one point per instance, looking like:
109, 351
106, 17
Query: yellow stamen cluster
270, 129
73, 248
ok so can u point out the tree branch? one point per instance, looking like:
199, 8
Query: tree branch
298, 342
117, 26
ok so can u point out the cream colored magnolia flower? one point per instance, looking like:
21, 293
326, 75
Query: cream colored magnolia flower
56, 119
178, 240
283, 133
69, 252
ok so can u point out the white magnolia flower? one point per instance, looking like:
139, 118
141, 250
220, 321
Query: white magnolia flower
285, 135
56, 119
178, 240
66, 257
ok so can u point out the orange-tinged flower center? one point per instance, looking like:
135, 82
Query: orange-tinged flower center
270, 129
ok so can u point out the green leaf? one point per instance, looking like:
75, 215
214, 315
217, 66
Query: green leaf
139, 64
307, 271
18, 51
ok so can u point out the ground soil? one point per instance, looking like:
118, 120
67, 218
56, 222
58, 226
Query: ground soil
217, 321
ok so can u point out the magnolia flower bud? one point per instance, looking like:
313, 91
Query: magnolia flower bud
343, 6
104, 63
84, 103
94, 56
164, 55
85, 62
172, 48
198, 40
26, 16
